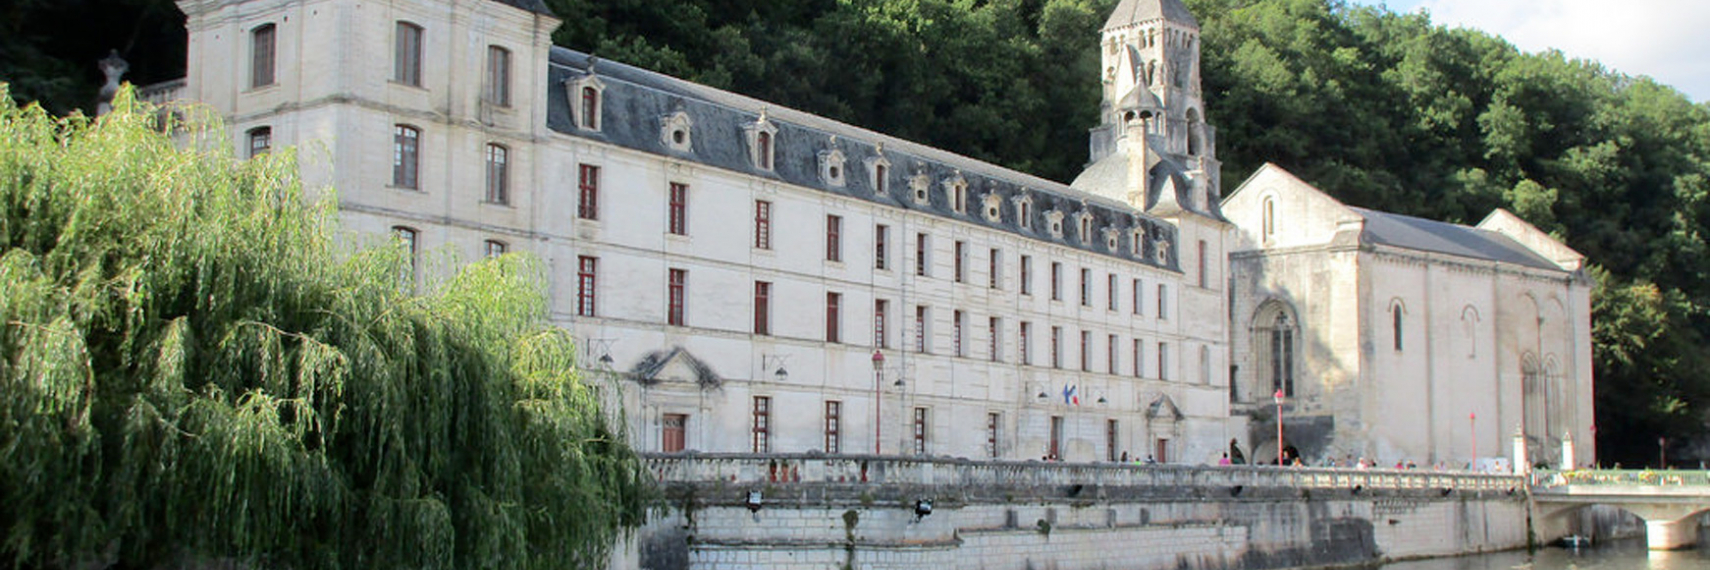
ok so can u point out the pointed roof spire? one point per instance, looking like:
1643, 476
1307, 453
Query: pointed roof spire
1131, 12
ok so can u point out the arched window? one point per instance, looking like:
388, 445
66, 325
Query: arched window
407, 55
260, 141
410, 240
1268, 218
406, 156
498, 174
1193, 138
1282, 355
262, 53
1395, 324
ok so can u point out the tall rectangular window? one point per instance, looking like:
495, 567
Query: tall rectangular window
920, 315
1163, 361
1023, 336
920, 250
1139, 296
1056, 281
675, 293
498, 174
956, 346
993, 263
590, 108
762, 426
679, 209
1086, 351
406, 156
762, 308
1056, 347
586, 294
993, 332
833, 426
1086, 287
834, 238
1163, 301
1139, 359
498, 76
833, 302
1027, 275
920, 423
588, 181
411, 240
881, 247
1114, 300
260, 141
263, 43
961, 261
881, 313
1203, 278
762, 224
993, 421
1110, 360
407, 55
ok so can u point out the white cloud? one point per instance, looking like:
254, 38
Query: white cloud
1663, 39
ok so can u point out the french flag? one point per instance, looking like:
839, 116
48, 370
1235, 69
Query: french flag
1070, 397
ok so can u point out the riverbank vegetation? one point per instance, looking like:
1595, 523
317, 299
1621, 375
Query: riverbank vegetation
195, 367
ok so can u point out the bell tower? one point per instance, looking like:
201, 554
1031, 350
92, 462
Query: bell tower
1151, 85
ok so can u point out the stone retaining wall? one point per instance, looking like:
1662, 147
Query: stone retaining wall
860, 513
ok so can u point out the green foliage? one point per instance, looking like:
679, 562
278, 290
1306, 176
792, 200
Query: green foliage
194, 369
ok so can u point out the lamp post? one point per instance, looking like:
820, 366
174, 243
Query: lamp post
878, 382
1279, 398
1662, 453
1472, 426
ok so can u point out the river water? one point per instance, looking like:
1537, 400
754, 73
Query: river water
1618, 555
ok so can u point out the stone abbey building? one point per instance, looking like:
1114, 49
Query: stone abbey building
758, 279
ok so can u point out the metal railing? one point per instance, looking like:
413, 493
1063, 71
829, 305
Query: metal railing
745, 468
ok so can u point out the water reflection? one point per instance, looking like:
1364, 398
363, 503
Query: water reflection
1621, 555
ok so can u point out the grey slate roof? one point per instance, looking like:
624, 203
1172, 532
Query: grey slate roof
536, 6
1442, 237
1131, 12
636, 101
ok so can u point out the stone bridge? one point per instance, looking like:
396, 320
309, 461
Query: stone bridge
1668, 501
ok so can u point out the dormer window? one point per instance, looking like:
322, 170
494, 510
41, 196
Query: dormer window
919, 184
994, 207
956, 189
1137, 242
586, 97
1163, 254
674, 132
879, 169
831, 167
1054, 222
762, 134
1024, 211
1084, 221
1111, 239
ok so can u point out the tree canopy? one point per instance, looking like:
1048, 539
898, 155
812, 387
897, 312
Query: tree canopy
196, 367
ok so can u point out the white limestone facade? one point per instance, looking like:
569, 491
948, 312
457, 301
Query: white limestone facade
1401, 339
734, 268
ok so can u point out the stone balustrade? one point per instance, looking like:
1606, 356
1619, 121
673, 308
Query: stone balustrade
163, 92
748, 469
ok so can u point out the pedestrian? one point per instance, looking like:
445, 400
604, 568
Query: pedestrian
1224, 461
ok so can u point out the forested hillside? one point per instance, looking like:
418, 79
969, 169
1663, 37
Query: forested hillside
1383, 110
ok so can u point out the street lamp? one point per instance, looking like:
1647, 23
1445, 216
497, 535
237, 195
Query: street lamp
1279, 398
1472, 424
878, 382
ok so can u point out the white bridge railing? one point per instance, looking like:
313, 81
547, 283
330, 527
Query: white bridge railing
746, 468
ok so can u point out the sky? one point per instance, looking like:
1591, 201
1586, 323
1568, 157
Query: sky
1663, 39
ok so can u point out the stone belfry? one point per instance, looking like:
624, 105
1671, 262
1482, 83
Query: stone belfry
1152, 112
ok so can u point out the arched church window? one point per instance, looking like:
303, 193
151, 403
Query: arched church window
1282, 355
1268, 215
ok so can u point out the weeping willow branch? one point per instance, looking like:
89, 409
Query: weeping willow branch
195, 366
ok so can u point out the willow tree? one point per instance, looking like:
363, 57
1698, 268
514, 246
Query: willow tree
195, 366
